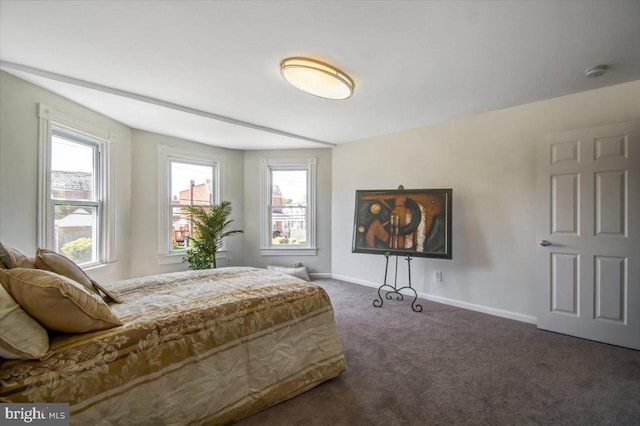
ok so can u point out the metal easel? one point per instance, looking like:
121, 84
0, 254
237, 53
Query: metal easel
394, 289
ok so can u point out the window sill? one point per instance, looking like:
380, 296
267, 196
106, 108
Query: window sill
177, 256
288, 251
101, 270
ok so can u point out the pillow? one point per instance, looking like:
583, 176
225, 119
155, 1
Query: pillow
14, 258
49, 260
6, 257
299, 272
57, 302
21, 337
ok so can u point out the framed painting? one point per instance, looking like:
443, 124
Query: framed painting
414, 222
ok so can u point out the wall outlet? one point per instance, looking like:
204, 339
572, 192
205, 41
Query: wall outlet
438, 276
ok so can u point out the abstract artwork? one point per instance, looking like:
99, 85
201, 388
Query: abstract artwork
414, 222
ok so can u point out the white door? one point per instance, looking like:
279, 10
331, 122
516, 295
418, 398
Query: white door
588, 233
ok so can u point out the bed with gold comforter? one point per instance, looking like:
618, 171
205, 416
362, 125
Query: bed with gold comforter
196, 347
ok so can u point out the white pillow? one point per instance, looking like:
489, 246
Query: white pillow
299, 272
21, 337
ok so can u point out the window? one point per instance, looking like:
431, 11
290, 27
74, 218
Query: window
75, 196
190, 184
190, 179
288, 200
74, 213
288, 207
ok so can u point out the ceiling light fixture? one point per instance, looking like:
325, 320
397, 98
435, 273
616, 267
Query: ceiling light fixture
317, 78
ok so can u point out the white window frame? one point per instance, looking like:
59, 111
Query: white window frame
267, 166
48, 120
167, 154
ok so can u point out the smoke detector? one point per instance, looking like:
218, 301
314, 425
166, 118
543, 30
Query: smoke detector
596, 71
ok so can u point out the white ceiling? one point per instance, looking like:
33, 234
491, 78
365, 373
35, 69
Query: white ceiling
179, 67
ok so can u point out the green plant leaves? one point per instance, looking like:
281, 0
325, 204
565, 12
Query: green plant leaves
211, 223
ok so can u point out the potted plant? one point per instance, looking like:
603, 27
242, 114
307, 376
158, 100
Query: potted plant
210, 223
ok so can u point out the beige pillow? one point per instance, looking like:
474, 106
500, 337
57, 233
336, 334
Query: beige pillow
49, 260
299, 272
21, 337
58, 302
14, 258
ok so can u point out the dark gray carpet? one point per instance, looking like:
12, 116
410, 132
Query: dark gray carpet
449, 366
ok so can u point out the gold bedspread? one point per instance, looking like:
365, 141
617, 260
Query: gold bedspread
196, 347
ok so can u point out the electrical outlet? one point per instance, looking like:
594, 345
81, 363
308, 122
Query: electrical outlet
438, 275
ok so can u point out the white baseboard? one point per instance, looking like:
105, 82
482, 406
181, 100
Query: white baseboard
355, 280
457, 303
320, 275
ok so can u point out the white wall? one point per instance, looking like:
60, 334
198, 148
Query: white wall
144, 204
321, 263
489, 162
19, 167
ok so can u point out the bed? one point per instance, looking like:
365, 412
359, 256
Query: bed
195, 347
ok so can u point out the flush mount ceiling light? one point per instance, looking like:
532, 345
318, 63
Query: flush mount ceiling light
317, 78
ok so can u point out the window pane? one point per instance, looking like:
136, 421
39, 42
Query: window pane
181, 226
191, 184
288, 208
73, 171
75, 231
289, 188
289, 226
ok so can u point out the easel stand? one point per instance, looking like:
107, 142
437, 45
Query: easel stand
394, 289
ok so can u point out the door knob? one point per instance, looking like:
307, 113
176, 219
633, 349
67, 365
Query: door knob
545, 243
